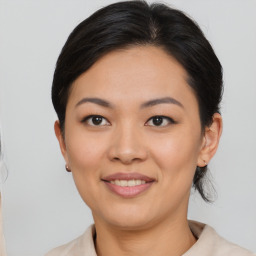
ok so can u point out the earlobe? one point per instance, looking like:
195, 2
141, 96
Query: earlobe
210, 141
60, 138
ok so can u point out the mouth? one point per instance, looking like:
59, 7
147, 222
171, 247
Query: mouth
128, 185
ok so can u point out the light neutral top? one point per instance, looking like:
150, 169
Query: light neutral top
209, 243
2, 242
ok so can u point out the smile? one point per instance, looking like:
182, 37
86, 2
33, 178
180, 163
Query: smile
128, 185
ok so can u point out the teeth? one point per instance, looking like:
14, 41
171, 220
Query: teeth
127, 183
123, 183
131, 183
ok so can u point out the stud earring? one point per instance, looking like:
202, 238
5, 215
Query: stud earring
67, 168
205, 162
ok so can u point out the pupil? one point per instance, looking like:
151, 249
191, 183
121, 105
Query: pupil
157, 120
97, 120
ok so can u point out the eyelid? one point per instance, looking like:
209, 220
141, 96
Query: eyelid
170, 120
85, 120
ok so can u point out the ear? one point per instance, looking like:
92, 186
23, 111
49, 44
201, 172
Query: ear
60, 138
210, 141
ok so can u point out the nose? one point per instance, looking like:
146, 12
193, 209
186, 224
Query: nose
127, 146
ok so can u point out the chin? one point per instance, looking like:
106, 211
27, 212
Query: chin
130, 223
128, 218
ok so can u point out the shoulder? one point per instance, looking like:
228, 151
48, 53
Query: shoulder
83, 245
210, 243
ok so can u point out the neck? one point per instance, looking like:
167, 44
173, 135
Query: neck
173, 237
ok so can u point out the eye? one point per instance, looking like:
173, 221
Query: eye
95, 120
160, 121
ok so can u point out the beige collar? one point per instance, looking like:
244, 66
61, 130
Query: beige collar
209, 243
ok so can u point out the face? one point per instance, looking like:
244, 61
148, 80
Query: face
133, 137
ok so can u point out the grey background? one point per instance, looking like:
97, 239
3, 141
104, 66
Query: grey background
42, 208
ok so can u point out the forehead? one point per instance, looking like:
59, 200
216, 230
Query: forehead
140, 72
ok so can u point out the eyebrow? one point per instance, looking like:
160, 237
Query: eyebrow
97, 101
168, 100
150, 103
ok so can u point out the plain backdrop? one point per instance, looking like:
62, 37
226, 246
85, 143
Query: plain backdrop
42, 208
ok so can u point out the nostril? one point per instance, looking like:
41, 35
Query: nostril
126, 150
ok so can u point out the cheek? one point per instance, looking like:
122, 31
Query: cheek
85, 155
176, 158
84, 151
177, 154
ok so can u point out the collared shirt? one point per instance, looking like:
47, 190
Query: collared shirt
209, 243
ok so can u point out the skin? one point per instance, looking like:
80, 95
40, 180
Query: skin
155, 221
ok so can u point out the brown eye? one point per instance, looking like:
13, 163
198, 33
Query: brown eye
96, 121
160, 121
157, 120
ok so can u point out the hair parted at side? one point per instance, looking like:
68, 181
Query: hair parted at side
130, 23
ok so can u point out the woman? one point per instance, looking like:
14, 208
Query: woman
137, 90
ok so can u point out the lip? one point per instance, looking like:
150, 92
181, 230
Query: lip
128, 192
128, 176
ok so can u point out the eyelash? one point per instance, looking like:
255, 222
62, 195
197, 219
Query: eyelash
87, 118
164, 118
